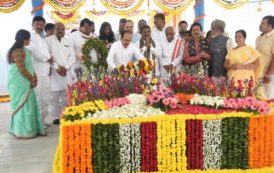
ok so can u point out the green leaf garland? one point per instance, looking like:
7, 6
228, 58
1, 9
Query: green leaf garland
102, 53
234, 143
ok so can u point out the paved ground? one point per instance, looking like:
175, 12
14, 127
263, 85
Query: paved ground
25, 156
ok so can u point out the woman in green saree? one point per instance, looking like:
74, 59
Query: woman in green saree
26, 119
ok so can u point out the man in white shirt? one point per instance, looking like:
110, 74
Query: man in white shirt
49, 29
62, 52
129, 26
149, 48
122, 22
172, 54
158, 33
265, 45
122, 51
78, 39
41, 60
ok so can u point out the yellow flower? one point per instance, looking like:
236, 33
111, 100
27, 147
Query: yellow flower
154, 81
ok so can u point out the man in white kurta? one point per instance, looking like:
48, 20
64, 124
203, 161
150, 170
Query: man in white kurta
62, 52
265, 45
149, 48
123, 51
78, 39
41, 60
172, 53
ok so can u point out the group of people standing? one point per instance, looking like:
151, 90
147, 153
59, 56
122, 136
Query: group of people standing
41, 66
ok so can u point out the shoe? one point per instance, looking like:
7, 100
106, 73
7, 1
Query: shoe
56, 121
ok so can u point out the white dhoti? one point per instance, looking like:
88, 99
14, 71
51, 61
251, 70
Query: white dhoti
58, 102
42, 92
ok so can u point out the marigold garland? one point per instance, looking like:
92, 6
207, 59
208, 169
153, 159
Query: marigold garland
238, 132
10, 5
66, 6
228, 5
261, 139
65, 18
122, 8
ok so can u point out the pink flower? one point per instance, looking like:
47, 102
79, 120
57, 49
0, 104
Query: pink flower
173, 105
156, 99
240, 103
150, 100
173, 100
264, 110
166, 101
108, 103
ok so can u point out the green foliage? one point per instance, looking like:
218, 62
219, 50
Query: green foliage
105, 148
102, 53
234, 143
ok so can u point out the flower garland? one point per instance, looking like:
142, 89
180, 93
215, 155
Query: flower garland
234, 143
65, 6
175, 6
231, 4
101, 50
122, 7
9, 6
194, 145
260, 142
182, 142
106, 148
212, 138
130, 149
148, 147
65, 18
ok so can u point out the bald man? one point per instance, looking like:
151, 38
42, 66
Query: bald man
61, 50
172, 53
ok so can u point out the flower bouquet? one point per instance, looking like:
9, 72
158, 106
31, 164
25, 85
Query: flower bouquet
162, 98
141, 67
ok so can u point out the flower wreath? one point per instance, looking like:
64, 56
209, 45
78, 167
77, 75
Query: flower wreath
101, 50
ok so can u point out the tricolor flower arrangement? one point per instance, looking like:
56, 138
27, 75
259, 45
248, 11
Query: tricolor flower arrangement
162, 98
231, 142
